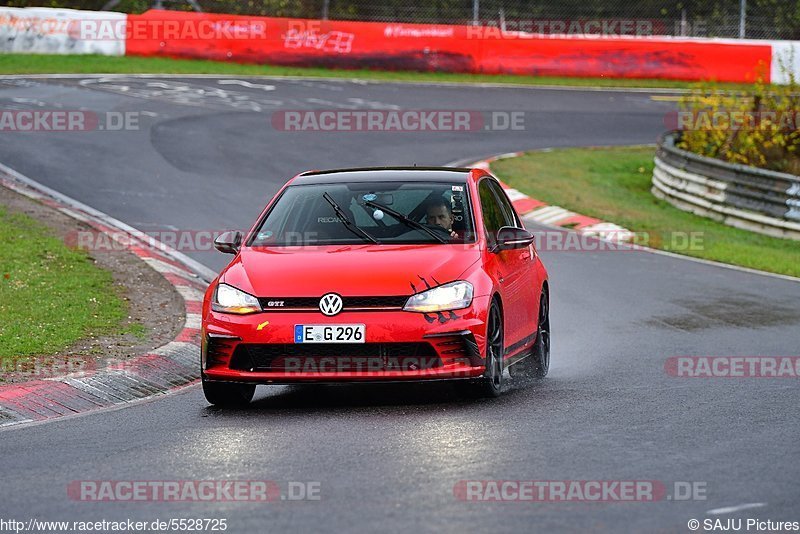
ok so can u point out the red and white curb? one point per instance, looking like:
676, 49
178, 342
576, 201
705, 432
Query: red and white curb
542, 213
166, 368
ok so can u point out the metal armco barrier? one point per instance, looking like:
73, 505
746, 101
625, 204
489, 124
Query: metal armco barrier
753, 199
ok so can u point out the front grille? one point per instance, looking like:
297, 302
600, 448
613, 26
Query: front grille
350, 303
341, 357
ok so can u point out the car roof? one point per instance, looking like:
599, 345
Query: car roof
385, 174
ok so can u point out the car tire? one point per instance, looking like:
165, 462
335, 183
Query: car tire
228, 394
490, 385
537, 363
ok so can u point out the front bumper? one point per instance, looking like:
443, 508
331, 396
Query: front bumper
398, 346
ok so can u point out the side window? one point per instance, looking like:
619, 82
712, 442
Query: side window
509, 215
493, 216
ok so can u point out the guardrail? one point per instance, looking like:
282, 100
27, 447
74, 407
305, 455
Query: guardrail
753, 199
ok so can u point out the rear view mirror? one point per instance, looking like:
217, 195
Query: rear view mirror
228, 242
510, 237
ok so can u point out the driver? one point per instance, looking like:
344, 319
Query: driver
440, 213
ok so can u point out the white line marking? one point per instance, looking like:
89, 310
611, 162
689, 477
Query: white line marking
174, 347
556, 219
16, 418
508, 155
164, 267
247, 84
372, 104
514, 195
608, 231
550, 214
74, 214
731, 509
192, 321
190, 293
330, 103
553, 219
361, 81
543, 212
162, 85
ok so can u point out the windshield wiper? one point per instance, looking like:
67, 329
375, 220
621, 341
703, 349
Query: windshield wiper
347, 222
410, 222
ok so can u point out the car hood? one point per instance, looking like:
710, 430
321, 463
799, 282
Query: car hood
352, 270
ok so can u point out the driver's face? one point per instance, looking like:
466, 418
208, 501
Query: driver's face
440, 216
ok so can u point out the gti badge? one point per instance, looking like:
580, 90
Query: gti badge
330, 304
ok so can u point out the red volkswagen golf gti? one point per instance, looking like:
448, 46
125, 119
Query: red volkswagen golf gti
385, 274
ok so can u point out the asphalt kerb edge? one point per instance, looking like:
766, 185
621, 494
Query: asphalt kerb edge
162, 370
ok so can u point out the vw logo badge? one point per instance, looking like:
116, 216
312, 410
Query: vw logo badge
330, 304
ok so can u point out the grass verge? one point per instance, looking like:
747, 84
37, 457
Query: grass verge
613, 184
50, 295
95, 64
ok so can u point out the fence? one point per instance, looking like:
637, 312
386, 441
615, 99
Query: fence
753, 19
393, 46
762, 201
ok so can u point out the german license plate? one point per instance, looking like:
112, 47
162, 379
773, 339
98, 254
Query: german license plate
329, 333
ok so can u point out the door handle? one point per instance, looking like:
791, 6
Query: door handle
526, 255
502, 279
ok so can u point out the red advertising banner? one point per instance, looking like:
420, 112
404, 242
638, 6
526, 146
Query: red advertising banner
422, 47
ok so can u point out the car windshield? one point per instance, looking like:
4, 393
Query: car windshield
370, 212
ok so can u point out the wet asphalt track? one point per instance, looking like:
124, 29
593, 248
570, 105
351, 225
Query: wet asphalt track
388, 457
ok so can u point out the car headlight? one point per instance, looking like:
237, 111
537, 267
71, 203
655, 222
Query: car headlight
228, 299
452, 296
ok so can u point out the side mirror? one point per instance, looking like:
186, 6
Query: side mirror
228, 242
510, 237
